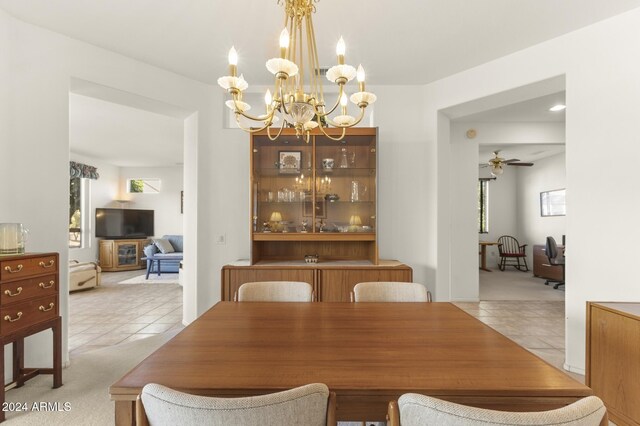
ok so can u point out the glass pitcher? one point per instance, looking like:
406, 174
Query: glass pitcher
12, 238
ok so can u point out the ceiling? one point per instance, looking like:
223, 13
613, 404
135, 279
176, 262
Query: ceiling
408, 42
523, 152
124, 136
532, 110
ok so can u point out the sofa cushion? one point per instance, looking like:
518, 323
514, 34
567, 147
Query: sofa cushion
176, 242
163, 245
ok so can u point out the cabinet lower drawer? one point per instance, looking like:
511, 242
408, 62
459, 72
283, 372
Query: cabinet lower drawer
28, 266
20, 315
17, 291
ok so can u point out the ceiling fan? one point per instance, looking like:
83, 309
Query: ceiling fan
496, 163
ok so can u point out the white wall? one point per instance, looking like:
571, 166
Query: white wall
37, 142
165, 204
503, 212
102, 193
547, 174
602, 92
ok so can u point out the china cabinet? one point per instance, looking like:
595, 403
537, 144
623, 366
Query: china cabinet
316, 198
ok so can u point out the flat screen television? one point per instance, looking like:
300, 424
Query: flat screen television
124, 223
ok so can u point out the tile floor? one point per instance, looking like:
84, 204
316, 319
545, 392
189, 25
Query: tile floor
114, 313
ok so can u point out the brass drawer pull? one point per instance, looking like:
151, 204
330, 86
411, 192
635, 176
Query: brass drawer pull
11, 271
44, 265
8, 318
8, 292
43, 309
43, 285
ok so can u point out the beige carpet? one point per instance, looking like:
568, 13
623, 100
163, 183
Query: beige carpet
166, 278
86, 386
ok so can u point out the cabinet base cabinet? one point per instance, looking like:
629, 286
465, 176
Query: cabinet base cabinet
29, 301
330, 282
613, 358
122, 255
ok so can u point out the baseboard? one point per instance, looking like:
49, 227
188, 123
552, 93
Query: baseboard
574, 369
464, 299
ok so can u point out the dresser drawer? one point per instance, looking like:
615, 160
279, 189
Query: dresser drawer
19, 268
31, 288
20, 315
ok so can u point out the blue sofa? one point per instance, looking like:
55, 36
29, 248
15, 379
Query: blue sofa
167, 265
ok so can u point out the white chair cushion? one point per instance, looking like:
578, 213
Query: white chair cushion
421, 410
275, 291
390, 292
306, 405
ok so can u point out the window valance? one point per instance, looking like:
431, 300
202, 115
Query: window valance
79, 170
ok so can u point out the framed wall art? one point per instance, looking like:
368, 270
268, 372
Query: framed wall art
289, 161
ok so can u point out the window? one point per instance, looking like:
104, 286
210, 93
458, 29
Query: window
483, 206
75, 212
143, 186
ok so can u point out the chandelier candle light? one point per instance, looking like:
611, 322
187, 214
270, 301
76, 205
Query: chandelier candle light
298, 97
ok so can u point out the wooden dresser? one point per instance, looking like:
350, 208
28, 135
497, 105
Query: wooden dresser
29, 302
613, 358
331, 281
541, 266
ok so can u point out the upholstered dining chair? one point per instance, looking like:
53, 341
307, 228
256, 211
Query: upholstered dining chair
275, 291
311, 405
390, 291
420, 410
512, 253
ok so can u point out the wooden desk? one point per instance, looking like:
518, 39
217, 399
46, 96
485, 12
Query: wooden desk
483, 254
368, 353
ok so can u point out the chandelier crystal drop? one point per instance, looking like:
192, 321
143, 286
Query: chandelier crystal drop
297, 99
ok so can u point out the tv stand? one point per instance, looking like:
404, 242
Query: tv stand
122, 255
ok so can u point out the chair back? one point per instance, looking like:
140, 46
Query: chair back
390, 291
417, 410
306, 405
275, 291
551, 248
508, 245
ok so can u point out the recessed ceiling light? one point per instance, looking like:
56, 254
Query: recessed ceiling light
557, 108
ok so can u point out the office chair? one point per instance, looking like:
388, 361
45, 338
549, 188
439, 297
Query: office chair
555, 259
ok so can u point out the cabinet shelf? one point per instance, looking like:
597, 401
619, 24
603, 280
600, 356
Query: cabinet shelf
335, 172
314, 236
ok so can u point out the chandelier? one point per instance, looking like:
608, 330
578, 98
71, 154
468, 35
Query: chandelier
298, 98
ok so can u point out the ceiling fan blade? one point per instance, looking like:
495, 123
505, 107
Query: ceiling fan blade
513, 160
483, 165
520, 164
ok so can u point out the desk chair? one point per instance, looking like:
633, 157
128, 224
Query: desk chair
555, 259
275, 291
511, 251
390, 291
419, 410
310, 405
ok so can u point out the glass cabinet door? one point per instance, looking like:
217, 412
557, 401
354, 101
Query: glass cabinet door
282, 185
346, 184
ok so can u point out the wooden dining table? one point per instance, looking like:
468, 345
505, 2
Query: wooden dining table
367, 353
